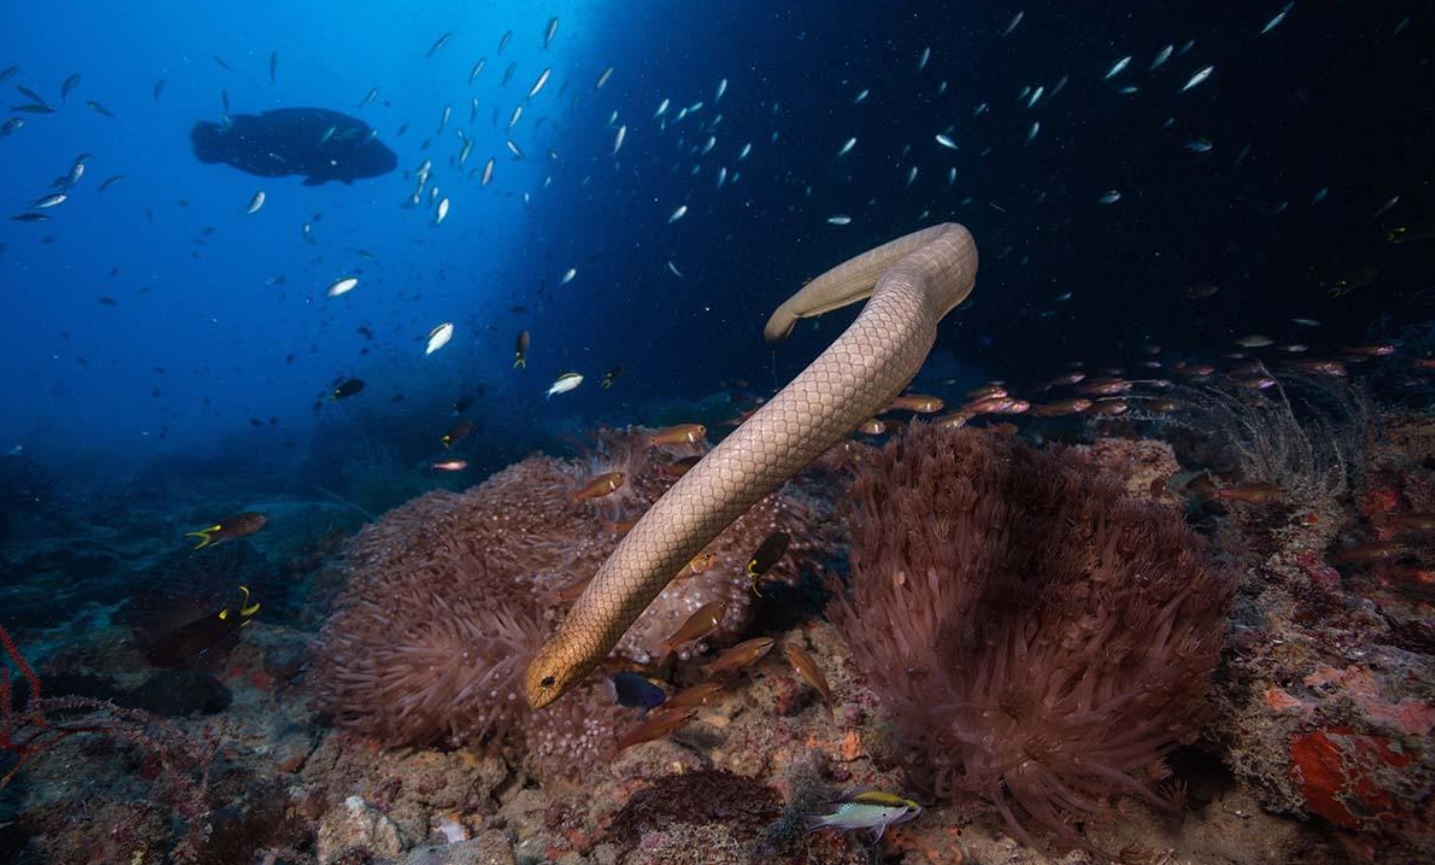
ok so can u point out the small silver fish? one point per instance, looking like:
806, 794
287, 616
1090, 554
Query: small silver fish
255, 203
1279, 17
439, 337
566, 382
340, 286
542, 80
1116, 67
1201, 75
847, 146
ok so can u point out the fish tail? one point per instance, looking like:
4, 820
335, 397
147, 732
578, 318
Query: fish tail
206, 537
520, 363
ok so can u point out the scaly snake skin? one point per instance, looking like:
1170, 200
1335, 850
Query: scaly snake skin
918, 279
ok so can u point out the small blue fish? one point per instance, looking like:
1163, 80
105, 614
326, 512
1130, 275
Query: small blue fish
872, 810
637, 691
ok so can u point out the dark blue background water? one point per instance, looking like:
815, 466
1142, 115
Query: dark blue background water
202, 346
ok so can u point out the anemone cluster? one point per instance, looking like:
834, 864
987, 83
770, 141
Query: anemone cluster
450, 595
1037, 634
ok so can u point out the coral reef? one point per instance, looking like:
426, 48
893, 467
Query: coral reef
1326, 695
1036, 634
451, 594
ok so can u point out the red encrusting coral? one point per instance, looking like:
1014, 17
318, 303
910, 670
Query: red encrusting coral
451, 594
1038, 635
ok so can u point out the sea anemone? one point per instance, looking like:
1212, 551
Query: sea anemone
1037, 635
450, 595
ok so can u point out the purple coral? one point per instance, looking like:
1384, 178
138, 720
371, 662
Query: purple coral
451, 594
1037, 635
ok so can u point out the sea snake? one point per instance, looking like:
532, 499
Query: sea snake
918, 279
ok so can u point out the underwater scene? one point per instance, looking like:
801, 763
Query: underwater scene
692, 431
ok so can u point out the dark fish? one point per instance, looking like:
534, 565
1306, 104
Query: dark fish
7, 73
439, 43
289, 141
30, 217
98, 108
222, 65
31, 95
111, 181
520, 355
611, 376
346, 389
459, 432
158, 89
70, 83
109, 301
190, 639
11, 126
273, 66
33, 108
238, 526
504, 40
636, 691
508, 73
766, 556
224, 100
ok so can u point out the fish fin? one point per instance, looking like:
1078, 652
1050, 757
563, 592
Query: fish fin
206, 536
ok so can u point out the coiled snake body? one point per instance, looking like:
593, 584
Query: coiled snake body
913, 282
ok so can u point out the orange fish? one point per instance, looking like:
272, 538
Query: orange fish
739, 656
682, 434
697, 564
659, 724
1254, 491
237, 526
1418, 522
698, 625
807, 667
1106, 387
917, 402
1057, 409
573, 590
678, 468
1109, 407
602, 485
1369, 552
450, 465
697, 695
873, 427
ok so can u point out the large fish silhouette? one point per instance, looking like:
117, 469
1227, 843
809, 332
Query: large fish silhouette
320, 144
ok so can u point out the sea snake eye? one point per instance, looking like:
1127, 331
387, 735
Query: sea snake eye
547, 681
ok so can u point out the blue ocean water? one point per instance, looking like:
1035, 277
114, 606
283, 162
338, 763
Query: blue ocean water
1151, 186
151, 319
